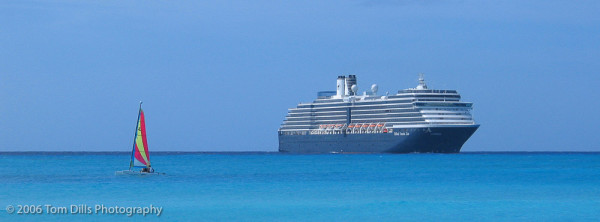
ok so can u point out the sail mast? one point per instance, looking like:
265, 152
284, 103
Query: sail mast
135, 137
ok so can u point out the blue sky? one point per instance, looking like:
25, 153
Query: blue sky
220, 75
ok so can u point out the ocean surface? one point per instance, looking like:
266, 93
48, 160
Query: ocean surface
284, 187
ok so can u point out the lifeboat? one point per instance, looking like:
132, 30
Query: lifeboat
372, 125
351, 126
338, 125
379, 125
365, 126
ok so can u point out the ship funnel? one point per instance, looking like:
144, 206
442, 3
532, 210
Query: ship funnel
341, 86
350, 81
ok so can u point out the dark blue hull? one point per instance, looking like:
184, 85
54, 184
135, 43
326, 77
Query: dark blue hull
446, 139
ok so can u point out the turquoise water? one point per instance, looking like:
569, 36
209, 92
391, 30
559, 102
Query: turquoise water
280, 187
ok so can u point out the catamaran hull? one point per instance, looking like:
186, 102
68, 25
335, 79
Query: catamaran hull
131, 172
446, 139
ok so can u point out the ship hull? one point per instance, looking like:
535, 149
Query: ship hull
438, 139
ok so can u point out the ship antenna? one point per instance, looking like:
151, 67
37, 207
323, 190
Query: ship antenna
422, 84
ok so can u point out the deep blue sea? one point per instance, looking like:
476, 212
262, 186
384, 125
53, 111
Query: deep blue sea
332, 187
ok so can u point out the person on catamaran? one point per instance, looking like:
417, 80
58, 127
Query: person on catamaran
147, 169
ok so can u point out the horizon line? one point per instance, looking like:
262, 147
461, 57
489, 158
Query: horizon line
274, 152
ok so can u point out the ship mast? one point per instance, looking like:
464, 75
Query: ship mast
422, 84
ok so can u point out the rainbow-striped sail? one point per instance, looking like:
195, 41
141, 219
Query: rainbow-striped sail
140, 157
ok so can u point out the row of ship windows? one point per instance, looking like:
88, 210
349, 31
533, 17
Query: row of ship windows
358, 103
438, 100
386, 106
291, 133
362, 111
443, 104
317, 105
448, 114
357, 108
427, 91
321, 104
324, 100
387, 111
345, 105
421, 96
344, 118
403, 110
366, 111
378, 112
347, 132
344, 111
304, 131
356, 115
304, 123
309, 127
355, 118
382, 115
454, 123
446, 109
434, 118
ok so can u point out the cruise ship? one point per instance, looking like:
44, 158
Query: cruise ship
415, 120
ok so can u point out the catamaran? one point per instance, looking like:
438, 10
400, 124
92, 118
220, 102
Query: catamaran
140, 157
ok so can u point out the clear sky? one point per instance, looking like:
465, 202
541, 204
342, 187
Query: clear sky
220, 75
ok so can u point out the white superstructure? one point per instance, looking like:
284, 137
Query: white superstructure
343, 111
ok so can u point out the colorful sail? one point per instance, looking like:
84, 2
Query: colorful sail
140, 156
